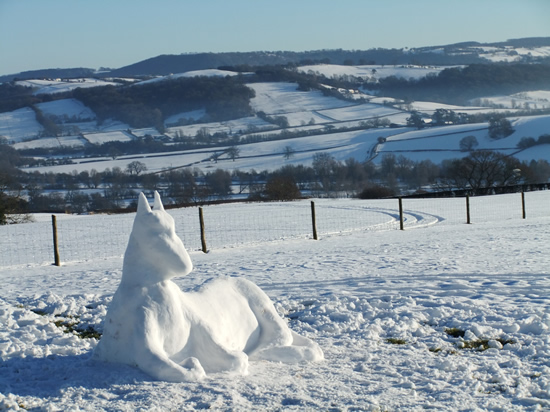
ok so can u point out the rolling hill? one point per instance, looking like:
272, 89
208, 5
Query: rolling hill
514, 50
357, 122
282, 99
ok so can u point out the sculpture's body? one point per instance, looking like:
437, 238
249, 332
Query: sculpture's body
176, 336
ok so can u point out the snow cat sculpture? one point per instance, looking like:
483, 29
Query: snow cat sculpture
176, 336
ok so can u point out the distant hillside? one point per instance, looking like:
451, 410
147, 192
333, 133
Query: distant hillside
516, 50
50, 74
166, 64
454, 54
526, 42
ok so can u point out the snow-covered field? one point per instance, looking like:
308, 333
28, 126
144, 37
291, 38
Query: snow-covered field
193, 73
62, 85
511, 54
70, 141
67, 107
436, 144
100, 138
19, 125
360, 112
372, 71
230, 127
279, 98
442, 315
539, 99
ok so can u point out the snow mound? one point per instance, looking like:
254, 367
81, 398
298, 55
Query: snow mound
177, 336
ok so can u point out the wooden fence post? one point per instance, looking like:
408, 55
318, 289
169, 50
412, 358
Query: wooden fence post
203, 235
57, 261
468, 209
401, 213
313, 220
523, 204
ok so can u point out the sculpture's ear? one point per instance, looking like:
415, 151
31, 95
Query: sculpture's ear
143, 205
158, 203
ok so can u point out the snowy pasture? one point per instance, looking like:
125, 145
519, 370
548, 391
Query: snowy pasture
19, 125
67, 107
440, 143
192, 73
280, 98
539, 99
503, 54
372, 71
62, 85
230, 127
70, 141
442, 315
365, 111
112, 136
435, 144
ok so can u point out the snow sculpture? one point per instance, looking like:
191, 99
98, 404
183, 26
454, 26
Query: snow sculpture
177, 336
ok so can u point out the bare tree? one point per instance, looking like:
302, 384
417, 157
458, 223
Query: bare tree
12, 204
233, 152
481, 169
288, 152
468, 143
135, 168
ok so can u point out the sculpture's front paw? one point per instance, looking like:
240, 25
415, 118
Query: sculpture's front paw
193, 368
239, 363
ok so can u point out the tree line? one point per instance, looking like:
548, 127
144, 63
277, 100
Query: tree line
112, 189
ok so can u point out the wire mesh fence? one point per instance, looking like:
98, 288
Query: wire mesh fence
82, 238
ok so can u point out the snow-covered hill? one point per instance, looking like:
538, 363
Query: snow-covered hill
302, 110
511, 54
62, 85
372, 72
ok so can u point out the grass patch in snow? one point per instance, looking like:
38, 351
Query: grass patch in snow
69, 324
484, 344
455, 332
37, 311
477, 344
395, 341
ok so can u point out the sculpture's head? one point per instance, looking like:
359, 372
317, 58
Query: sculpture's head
155, 252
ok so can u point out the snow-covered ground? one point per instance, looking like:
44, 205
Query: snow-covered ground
100, 138
372, 72
70, 141
67, 107
396, 313
539, 99
192, 73
512, 54
62, 85
276, 99
365, 111
19, 125
230, 127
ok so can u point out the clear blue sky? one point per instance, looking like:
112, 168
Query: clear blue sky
38, 34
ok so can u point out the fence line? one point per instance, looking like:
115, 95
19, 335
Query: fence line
82, 238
